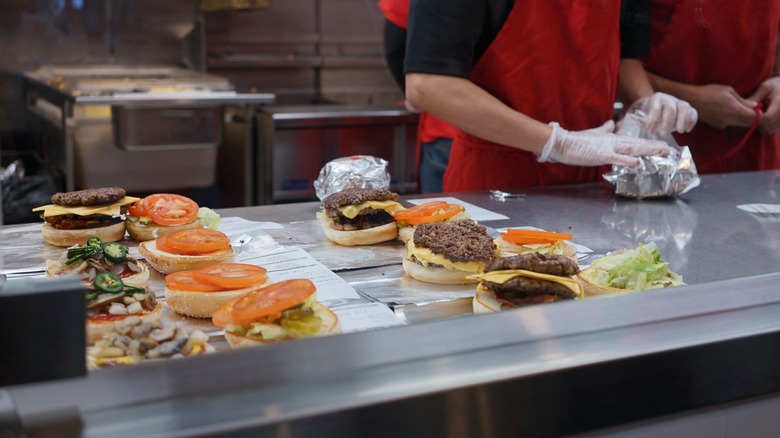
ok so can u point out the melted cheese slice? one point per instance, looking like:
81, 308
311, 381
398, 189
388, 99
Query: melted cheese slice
391, 207
426, 257
114, 209
502, 277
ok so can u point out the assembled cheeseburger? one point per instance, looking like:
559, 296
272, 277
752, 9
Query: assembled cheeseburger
360, 216
74, 217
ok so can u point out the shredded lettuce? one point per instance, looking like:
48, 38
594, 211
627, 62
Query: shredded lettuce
209, 217
635, 269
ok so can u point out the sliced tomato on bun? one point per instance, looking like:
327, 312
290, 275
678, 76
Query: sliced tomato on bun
282, 311
189, 248
524, 241
163, 213
199, 292
429, 212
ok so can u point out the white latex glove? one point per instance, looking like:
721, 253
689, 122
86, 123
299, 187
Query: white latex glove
667, 114
598, 146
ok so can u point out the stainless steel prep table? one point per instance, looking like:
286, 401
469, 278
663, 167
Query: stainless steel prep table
547, 370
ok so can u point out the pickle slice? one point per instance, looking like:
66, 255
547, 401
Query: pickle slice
308, 325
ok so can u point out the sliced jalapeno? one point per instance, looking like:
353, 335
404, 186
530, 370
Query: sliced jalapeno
116, 252
133, 289
94, 242
80, 253
108, 282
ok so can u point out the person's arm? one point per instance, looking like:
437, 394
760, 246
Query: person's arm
461, 103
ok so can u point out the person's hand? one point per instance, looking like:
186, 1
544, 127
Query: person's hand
666, 114
597, 146
769, 92
720, 106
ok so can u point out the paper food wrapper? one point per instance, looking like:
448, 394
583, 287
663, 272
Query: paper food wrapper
655, 176
357, 171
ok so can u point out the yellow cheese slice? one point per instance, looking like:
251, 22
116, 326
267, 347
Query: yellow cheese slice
391, 207
502, 277
114, 209
427, 257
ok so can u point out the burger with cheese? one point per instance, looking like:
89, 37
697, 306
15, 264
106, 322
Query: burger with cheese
360, 216
526, 279
74, 217
448, 252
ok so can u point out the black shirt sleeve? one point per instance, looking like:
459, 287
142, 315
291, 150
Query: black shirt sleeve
442, 36
634, 28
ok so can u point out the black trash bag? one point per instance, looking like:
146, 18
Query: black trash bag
23, 193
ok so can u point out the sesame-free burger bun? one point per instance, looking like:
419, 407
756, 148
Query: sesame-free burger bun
96, 329
484, 301
436, 274
202, 304
142, 233
166, 262
65, 238
330, 326
368, 236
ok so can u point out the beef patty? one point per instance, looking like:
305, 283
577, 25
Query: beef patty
105, 195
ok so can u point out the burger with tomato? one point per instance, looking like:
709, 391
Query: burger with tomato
188, 248
198, 292
280, 312
74, 217
360, 216
429, 212
525, 241
163, 213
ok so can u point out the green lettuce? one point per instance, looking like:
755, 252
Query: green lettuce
635, 269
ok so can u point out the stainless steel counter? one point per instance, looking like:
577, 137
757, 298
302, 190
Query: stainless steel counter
548, 370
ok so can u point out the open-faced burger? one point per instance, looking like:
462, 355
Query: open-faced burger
199, 292
433, 211
524, 241
163, 213
190, 248
280, 312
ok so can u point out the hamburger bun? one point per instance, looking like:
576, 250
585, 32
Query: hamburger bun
506, 248
141, 232
368, 236
592, 289
96, 329
330, 326
201, 304
166, 262
436, 274
66, 238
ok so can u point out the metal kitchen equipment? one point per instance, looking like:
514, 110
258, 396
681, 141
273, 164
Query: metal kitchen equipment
145, 128
294, 142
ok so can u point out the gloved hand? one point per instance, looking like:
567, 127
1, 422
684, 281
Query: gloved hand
598, 146
667, 114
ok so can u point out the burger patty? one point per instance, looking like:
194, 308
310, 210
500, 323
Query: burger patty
76, 222
458, 241
514, 301
357, 196
523, 287
552, 264
367, 218
88, 197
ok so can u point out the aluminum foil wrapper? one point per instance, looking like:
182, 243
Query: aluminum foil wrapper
357, 171
655, 176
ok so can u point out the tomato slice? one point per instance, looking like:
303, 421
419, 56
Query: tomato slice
193, 241
266, 303
184, 280
434, 211
231, 275
522, 237
137, 209
170, 209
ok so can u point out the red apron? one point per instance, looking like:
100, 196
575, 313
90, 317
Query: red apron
553, 60
718, 42
395, 11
